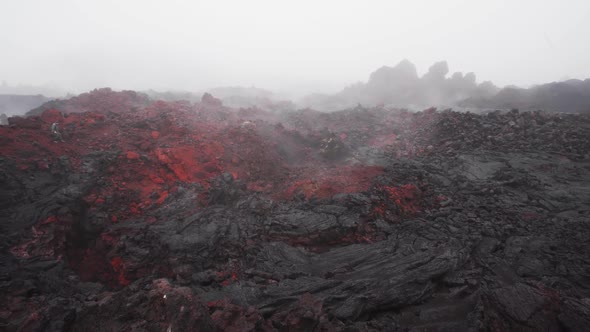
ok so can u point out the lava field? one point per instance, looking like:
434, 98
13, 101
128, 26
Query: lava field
179, 216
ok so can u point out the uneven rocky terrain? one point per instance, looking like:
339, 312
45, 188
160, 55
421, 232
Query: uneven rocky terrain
178, 216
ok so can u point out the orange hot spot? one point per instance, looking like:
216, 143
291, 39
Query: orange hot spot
118, 267
49, 220
405, 198
163, 197
133, 155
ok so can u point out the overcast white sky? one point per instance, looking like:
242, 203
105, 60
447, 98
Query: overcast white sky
286, 45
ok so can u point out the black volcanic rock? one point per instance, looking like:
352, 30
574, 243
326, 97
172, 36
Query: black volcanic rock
185, 219
572, 96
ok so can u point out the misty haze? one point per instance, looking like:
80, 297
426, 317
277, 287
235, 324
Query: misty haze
306, 166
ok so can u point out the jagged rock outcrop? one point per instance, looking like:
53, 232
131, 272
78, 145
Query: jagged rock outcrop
402, 87
572, 96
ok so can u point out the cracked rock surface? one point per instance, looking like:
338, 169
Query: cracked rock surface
436, 221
